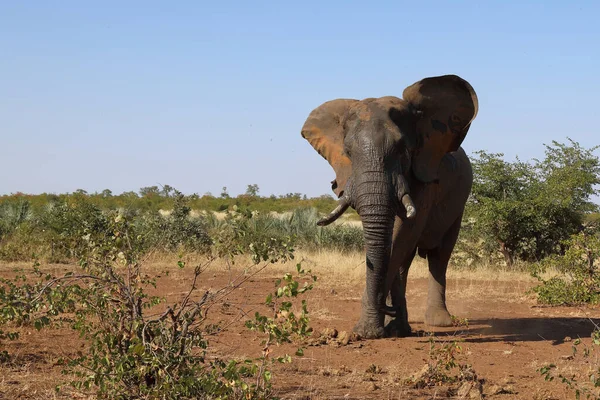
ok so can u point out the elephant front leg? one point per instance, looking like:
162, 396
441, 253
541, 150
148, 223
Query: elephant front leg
398, 326
401, 262
372, 317
370, 324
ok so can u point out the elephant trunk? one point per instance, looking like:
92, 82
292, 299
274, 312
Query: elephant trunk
376, 208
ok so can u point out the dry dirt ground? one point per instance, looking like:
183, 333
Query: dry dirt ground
507, 338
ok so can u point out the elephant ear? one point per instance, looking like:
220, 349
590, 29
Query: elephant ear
324, 130
446, 106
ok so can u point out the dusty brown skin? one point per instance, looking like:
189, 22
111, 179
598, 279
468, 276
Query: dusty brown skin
398, 162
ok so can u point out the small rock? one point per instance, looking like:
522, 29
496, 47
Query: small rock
464, 390
441, 392
374, 369
470, 390
509, 389
497, 389
567, 338
333, 292
493, 390
468, 373
344, 370
329, 332
344, 338
421, 378
567, 357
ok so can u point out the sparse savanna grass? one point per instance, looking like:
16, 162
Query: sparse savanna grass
341, 270
334, 268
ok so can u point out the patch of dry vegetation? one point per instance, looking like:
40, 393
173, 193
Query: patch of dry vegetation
348, 268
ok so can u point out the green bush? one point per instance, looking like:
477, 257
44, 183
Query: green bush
13, 213
174, 231
244, 226
57, 230
525, 210
586, 384
578, 281
54, 232
141, 347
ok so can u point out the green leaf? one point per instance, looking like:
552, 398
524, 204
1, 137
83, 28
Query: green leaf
138, 349
267, 376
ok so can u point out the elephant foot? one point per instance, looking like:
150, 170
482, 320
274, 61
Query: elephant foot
398, 328
369, 330
438, 317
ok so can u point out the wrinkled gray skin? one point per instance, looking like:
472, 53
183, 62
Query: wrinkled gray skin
380, 175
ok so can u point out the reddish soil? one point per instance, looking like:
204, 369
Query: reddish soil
507, 338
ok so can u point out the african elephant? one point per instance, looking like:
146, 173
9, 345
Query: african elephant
399, 164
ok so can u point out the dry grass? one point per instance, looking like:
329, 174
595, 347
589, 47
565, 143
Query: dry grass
345, 273
344, 267
335, 270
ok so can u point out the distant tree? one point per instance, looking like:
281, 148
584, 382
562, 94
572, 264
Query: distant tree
294, 196
130, 194
149, 191
81, 191
526, 210
224, 194
167, 190
252, 190
106, 193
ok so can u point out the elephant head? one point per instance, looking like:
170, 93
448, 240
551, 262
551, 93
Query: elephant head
379, 147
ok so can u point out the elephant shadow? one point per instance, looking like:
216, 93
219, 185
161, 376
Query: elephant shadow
557, 330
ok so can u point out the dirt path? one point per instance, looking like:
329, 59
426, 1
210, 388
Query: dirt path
507, 338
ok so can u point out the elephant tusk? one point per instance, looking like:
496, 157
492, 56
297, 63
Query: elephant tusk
409, 206
336, 213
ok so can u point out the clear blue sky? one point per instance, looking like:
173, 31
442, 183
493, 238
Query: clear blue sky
201, 95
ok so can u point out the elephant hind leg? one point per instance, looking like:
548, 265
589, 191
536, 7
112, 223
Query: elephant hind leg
437, 313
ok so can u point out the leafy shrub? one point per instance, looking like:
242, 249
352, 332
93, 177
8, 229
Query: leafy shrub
340, 237
445, 365
23, 303
135, 351
587, 385
579, 278
66, 224
525, 210
174, 231
57, 230
13, 213
243, 226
